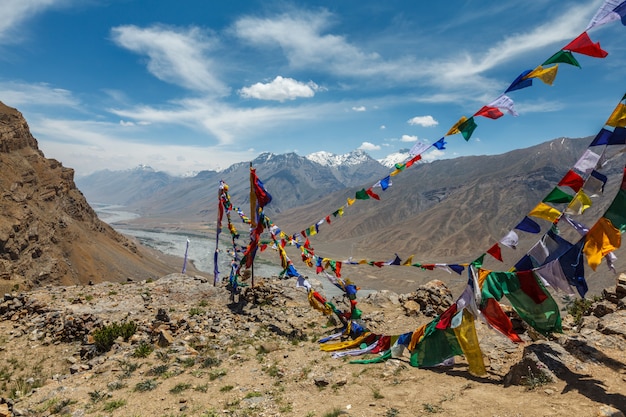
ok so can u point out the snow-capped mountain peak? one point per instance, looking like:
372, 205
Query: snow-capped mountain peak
330, 159
395, 158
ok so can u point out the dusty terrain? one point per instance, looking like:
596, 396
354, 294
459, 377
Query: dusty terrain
194, 353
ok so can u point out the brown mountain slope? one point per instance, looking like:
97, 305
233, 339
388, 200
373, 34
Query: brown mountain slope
48, 232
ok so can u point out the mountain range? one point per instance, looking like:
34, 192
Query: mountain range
444, 211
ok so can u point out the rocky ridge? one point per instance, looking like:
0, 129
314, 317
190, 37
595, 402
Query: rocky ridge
48, 232
195, 352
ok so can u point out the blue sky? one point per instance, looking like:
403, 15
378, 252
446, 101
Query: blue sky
195, 84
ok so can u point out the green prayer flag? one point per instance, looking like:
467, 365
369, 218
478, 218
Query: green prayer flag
362, 195
565, 57
436, 346
478, 263
616, 212
467, 128
558, 196
543, 316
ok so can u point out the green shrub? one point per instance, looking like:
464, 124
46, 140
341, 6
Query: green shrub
105, 337
143, 350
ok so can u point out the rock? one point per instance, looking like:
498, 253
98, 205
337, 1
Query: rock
541, 363
4, 410
268, 347
320, 381
614, 323
165, 338
411, 308
603, 308
608, 411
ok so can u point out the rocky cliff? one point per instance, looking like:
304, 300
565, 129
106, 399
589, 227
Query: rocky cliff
48, 232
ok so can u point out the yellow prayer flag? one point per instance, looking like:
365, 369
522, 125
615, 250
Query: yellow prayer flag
579, 204
351, 201
409, 261
547, 75
455, 129
330, 347
618, 117
545, 211
363, 261
602, 239
482, 276
395, 172
340, 212
468, 340
311, 231
416, 337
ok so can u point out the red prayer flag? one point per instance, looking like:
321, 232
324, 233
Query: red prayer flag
379, 264
413, 160
263, 247
328, 219
495, 252
446, 317
372, 194
530, 286
489, 112
572, 180
498, 319
583, 45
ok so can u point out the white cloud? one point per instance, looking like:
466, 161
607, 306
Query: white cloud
280, 89
433, 155
16, 12
383, 127
125, 123
175, 55
359, 108
89, 146
21, 94
368, 146
408, 138
425, 121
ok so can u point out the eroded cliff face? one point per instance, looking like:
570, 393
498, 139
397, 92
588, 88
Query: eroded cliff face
48, 232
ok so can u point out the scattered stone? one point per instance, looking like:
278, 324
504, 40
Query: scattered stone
608, 411
165, 338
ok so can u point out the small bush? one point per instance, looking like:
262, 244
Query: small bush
143, 350
147, 385
114, 405
105, 337
178, 388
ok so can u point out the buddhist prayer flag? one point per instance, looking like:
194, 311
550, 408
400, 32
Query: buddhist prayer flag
572, 180
609, 11
455, 129
468, 340
362, 195
583, 45
504, 102
565, 57
372, 194
418, 148
467, 128
440, 144
602, 239
594, 186
495, 252
557, 196
587, 162
552, 275
489, 112
579, 204
528, 225
413, 160
616, 212
497, 319
573, 266
618, 117
602, 138
545, 211
511, 240
385, 183
435, 347
520, 82
618, 137
527, 296
547, 75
